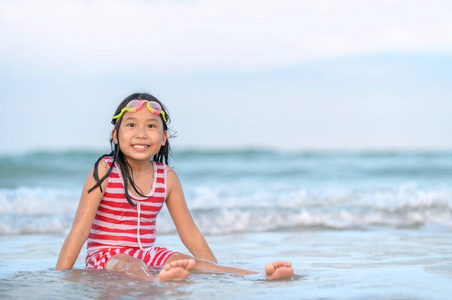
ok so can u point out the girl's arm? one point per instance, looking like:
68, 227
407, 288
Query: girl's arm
86, 211
186, 227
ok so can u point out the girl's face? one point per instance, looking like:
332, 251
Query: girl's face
140, 135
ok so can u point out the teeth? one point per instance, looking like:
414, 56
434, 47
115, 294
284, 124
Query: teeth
140, 146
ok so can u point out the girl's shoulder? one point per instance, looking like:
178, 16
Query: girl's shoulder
164, 170
171, 174
163, 167
103, 165
107, 159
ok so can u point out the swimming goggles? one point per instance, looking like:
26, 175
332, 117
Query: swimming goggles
136, 105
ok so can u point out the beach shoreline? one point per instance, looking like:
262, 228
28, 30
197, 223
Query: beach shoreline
383, 264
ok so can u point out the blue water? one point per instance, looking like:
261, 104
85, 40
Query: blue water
256, 168
356, 225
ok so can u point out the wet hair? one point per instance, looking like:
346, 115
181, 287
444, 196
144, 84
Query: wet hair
117, 155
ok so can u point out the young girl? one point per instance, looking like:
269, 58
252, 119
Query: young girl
123, 195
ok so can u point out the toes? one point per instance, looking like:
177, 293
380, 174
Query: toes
182, 263
278, 264
281, 264
270, 268
191, 264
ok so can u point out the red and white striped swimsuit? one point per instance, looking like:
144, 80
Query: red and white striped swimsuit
121, 228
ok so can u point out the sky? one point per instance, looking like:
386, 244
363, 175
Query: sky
272, 74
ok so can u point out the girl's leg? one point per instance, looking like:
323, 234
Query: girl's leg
274, 271
174, 270
206, 265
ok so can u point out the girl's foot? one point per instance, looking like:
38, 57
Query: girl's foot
279, 270
176, 270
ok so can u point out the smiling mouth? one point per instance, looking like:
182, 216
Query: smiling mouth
140, 147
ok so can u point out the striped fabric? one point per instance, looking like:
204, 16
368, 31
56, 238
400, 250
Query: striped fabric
120, 225
154, 258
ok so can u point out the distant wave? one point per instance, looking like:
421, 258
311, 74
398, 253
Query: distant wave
69, 169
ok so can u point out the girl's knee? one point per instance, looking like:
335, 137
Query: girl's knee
128, 265
123, 263
136, 268
115, 263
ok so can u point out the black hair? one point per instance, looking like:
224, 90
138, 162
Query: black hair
117, 155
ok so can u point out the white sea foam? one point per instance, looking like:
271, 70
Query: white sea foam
36, 210
225, 210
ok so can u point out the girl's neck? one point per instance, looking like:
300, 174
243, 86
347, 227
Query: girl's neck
139, 167
142, 174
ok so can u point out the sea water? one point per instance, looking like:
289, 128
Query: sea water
356, 225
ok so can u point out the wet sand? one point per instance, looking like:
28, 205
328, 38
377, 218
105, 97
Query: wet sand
377, 264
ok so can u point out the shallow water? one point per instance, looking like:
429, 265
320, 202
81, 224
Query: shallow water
377, 264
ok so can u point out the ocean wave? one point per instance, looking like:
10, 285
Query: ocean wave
26, 210
217, 211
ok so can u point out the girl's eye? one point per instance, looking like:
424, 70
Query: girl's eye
151, 126
130, 125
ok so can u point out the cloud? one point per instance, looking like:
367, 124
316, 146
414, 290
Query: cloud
181, 36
